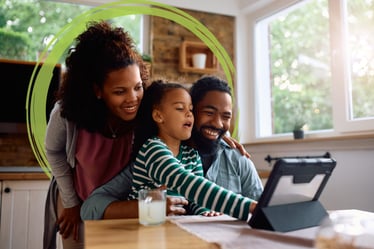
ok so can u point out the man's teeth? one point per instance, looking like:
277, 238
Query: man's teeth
212, 133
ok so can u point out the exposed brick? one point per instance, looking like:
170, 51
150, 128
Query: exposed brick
167, 37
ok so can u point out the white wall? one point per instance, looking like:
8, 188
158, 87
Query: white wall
351, 184
225, 7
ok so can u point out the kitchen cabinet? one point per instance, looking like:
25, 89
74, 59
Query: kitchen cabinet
188, 49
22, 213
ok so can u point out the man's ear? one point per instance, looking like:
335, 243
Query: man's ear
157, 116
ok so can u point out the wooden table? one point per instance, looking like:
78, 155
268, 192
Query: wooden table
128, 233
196, 232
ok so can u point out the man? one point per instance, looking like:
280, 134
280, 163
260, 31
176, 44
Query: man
222, 164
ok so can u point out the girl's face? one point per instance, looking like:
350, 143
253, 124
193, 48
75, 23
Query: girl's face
122, 92
174, 116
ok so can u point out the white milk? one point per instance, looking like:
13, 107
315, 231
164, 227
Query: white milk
152, 213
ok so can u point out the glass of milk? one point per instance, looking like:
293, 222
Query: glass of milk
152, 206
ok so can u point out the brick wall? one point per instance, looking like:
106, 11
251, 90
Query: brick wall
167, 36
15, 150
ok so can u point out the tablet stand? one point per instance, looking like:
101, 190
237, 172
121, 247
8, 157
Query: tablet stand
290, 217
290, 197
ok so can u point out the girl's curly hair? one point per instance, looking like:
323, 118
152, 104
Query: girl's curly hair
99, 50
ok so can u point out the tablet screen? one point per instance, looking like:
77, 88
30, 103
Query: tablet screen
287, 191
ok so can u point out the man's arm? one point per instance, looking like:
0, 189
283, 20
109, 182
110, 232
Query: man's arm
110, 200
251, 182
116, 190
121, 210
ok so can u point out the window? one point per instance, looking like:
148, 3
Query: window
27, 26
314, 63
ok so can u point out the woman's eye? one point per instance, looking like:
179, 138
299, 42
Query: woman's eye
118, 92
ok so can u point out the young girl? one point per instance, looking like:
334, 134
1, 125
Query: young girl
163, 160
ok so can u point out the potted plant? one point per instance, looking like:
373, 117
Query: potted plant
147, 59
298, 130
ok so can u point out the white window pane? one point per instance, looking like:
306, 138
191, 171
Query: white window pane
296, 42
28, 26
360, 35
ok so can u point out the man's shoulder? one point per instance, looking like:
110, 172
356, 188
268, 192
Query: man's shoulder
233, 154
227, 148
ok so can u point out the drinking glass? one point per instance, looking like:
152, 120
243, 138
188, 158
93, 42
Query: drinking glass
152, 206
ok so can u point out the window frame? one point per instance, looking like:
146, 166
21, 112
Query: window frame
261, 114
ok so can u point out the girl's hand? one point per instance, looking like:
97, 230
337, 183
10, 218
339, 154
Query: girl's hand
211, 214
235, 144
69, 222
252, 206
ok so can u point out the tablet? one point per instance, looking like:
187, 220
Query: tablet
290, 197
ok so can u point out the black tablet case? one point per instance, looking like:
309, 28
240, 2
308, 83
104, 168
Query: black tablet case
296, 214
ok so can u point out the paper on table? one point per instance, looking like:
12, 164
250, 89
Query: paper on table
232, 233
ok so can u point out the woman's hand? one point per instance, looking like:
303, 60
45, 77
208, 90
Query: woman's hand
235, 144
174, 205
69, 222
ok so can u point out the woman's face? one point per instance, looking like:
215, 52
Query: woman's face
122, 92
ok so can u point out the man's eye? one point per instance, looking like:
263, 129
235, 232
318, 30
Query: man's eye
138, 88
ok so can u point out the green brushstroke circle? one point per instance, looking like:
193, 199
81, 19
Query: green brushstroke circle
37, 92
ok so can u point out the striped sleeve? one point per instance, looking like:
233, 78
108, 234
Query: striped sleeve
165, 169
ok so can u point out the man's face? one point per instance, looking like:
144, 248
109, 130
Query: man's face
213, 115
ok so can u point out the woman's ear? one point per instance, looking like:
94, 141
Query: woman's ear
97, 91
157, 116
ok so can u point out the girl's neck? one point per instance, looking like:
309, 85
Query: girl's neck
173, 144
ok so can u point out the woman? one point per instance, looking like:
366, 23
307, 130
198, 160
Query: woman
91, 128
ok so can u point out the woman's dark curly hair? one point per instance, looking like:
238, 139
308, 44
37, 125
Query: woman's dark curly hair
99, 50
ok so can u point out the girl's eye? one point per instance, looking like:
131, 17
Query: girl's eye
138, 88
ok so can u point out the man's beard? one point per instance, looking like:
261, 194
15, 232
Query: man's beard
207, 148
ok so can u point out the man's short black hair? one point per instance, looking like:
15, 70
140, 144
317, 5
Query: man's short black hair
206, 84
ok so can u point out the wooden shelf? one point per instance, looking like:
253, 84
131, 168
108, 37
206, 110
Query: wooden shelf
187, 49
